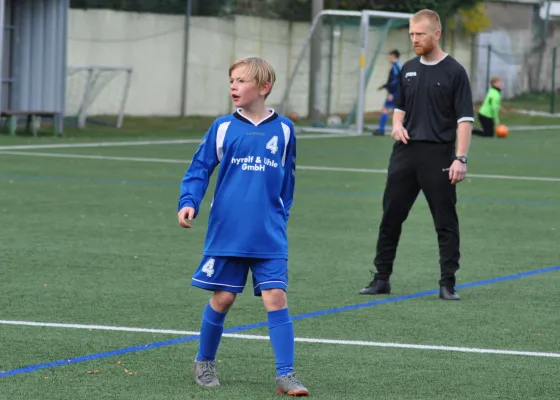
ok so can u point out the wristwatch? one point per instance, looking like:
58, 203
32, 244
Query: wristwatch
463, 159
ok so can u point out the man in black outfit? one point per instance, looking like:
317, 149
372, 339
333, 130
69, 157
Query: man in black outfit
433, 114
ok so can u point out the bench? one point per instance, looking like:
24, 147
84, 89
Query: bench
31, 120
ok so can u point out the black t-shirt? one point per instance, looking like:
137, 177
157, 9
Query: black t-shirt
435, 97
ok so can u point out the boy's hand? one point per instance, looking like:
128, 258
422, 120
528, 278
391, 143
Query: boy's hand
186, 213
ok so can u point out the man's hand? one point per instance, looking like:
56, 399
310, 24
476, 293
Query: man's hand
457, 172
400, 134
186, 213
390, 97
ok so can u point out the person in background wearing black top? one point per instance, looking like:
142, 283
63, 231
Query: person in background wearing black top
433, 114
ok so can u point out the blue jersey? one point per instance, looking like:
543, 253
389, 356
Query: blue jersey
255, 185
392, 84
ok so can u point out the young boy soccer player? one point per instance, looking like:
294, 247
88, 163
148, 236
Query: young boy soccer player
392, 87
489, 112
256, 148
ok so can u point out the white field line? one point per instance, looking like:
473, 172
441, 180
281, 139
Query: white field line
300, 167
194, 141
141, 143
303, 340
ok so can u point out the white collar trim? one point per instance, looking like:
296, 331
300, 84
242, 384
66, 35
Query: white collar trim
240, 111
423, 61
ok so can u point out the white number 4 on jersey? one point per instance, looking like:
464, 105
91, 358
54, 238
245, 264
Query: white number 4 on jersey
272, 145
208, 268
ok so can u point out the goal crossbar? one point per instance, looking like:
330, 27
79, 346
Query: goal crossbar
364, 16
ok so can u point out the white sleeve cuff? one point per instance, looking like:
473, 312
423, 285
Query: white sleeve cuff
465, 119
402, 111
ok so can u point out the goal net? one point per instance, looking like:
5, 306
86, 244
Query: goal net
97, 95
350, 50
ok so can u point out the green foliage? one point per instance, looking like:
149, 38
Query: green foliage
445, 8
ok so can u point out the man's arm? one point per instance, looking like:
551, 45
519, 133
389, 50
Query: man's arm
464, 110
288, 186
197, 177
464, 132
399, 133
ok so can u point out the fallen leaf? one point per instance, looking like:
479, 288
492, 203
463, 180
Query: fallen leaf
93, 372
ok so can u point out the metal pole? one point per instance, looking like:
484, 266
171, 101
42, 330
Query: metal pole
553, 88
2, 8
184, 74
331, 60
362, 80
488, 58
126, 90
315, 66
543, 43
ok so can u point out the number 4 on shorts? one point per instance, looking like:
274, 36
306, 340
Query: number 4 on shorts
208, 268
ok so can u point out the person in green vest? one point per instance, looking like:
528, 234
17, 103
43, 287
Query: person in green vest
489, 112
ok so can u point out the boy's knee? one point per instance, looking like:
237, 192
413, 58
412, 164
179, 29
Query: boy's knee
274, 299
222, 301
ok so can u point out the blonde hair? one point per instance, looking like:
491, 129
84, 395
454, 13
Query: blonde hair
431, 16
495, 79
258, 69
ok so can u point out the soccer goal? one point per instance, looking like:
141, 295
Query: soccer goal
351, 48
97, 95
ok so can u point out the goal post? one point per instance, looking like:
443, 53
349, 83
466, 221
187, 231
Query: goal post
97, 91
351, 42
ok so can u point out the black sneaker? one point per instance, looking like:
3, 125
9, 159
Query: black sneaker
377, 287
446, 293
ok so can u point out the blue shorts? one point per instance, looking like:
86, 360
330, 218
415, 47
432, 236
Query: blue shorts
230, 274
389, 103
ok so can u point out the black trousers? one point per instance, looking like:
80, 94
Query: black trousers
487, 127
413, 167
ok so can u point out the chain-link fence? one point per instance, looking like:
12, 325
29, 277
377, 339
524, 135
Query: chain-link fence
530, 77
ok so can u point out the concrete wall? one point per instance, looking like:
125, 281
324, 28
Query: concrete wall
153, 46
515, 54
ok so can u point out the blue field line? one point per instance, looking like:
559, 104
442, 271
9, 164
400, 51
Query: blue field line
303, 191
353, 307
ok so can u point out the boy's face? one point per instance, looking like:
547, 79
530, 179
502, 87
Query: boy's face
245, 91
499, 84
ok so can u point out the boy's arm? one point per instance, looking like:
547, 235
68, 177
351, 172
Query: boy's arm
393, 82
197, 177
288, 185
496, 104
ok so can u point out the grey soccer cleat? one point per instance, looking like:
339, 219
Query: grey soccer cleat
291, 385
205, 373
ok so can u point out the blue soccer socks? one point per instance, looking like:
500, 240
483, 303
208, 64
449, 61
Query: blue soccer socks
383, 121
210, 334
281, 331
